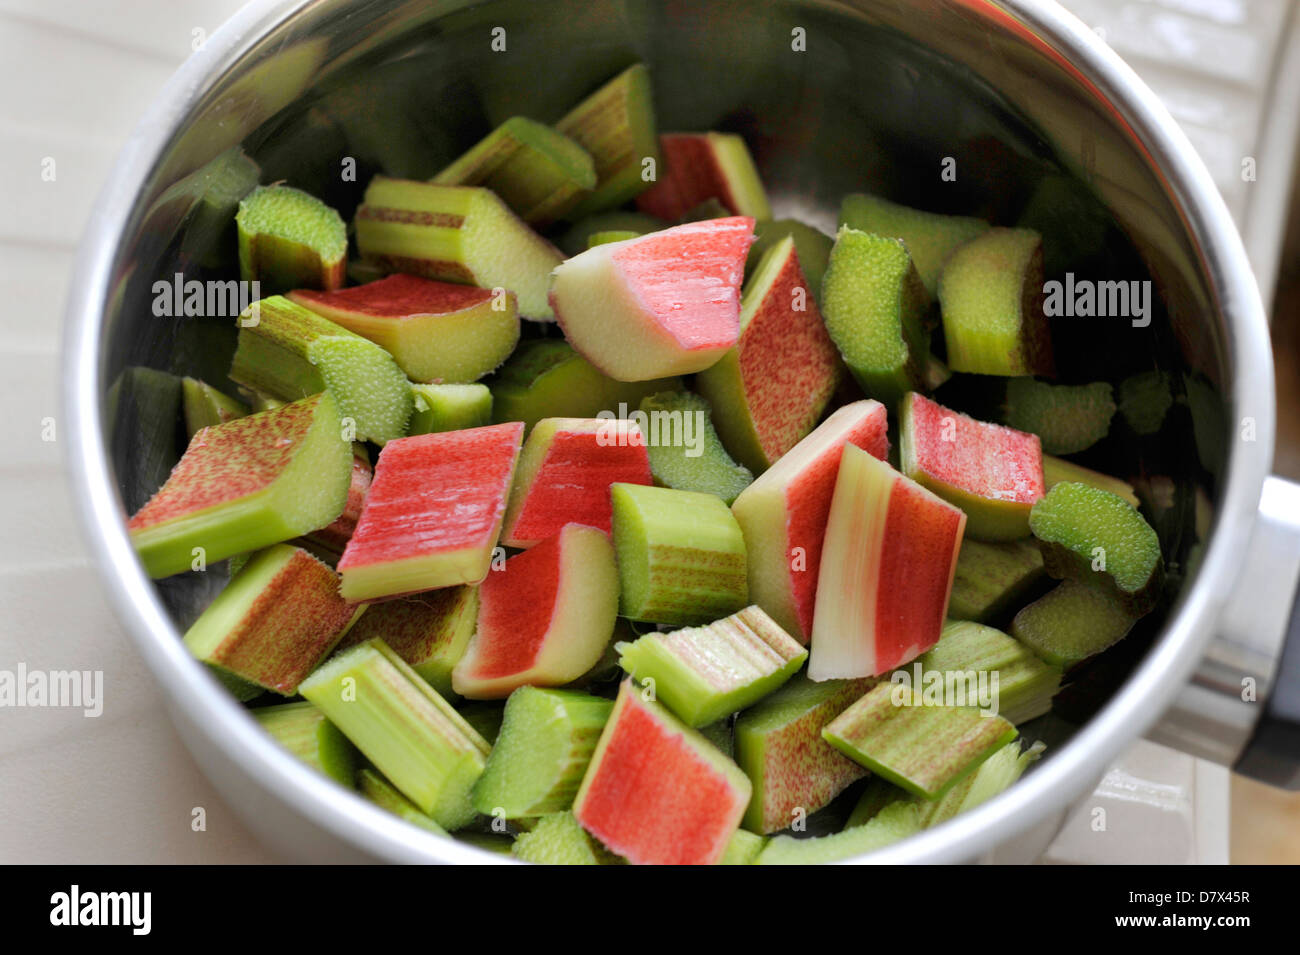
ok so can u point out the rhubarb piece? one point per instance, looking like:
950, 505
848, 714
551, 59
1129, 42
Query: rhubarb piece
564, 475
1099, 538
404, 727
205, 406
289, 352
681, 555
1068, 418
303, 730
435, 331
1024, 684
246, 484
278, 618
925, 749
616, 125
887, 566
657, 792
558, 839
1072, 622
994, 474
743, 849
993, 579
698, 461
539, 172
667, 303
449, 408
874, 302
1058, 470
456, 234
701, 166
771, 389
544, 618
783, 513
261, 401
613, 235
892, 824
930, 237
780, 748
1144, 400
334, 537
546, 378
578, 237
705, 673
433, 513
289, 239
430, 631
383, 794
991, 295
811, 245
539, 759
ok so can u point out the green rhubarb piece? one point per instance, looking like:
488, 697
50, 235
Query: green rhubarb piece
929, 236
1025, 684
1144, 400
616, 125
680, 554
706, 673
558, 839
206, 406
611, 235
743, 849
1068, 418
537, 763
289, 239
700, 464
1058, 470
895, 822
489, 842
460, 234
275, 621
539, 172
261, 401
1072, 622
303, 730
243, 485
290, 352
546, 378
578, 236
485, 716
876, 795
1099, 538
923, 748
872, 301
449, 408
812, 246
384, 795
429, 631
994, 578
991, 297
404, 727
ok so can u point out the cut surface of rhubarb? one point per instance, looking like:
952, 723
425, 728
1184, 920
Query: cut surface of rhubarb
696, 167
276, 620
663, 304
993, 473
625, 803
449, 408
243, 485
886, 570
783, 513
993, 579
1068, 418
558, 839
435, 331
290, 239
433, 513
692, 458
1072, 622
544, 618
705, 673
303, 730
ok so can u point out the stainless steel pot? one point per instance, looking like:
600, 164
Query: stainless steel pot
833, 97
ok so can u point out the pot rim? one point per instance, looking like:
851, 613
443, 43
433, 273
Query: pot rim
226, 725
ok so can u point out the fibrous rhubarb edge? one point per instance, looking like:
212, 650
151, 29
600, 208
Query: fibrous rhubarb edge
289, 239
685, 451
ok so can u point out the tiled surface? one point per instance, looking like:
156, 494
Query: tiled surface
121, 787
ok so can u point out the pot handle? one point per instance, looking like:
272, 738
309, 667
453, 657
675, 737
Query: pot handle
1242, 705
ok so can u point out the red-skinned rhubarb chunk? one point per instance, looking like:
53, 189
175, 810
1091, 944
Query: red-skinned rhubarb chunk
246, 484
664, 304
657, 792
783, 513
433, 513
697, 167
565, 471
335, 536
993, 473
275, 622
886, 571
545, 618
